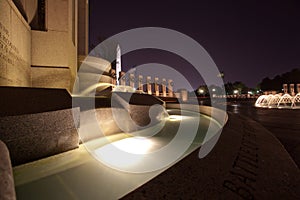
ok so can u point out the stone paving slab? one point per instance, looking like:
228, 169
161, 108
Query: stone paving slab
248, 162
284, 124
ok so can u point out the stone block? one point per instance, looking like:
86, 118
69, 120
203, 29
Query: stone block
58, 15
49, 48
48, 77
37, 122
22, 100
33, 136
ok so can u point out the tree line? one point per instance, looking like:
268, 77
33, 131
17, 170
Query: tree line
277, 82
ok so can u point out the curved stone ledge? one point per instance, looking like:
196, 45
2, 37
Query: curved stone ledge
77, 172
219, 115
7, 188
132, 111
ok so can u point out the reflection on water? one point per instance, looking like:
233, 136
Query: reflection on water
183, 132
235, 108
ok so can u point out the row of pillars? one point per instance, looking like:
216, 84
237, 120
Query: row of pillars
166, 87
292, 89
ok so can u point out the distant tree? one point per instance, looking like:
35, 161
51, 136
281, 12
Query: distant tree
229, 88
266, 84
241, 87
276, 83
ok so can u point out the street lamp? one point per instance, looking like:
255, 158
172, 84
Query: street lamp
200, 92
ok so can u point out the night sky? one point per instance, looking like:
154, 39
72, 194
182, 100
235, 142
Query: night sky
248, 40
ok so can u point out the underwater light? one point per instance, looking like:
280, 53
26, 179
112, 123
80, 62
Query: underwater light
175, 117
126, 153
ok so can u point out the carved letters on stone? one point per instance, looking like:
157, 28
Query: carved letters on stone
9, 53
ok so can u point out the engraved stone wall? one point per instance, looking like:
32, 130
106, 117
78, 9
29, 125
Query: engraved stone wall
15, 47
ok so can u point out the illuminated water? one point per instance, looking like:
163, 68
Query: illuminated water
78, 175
276, 101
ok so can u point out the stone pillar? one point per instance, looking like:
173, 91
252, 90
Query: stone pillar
149, 88
113, 76
177, 95
292, 89
170, 88
140, 83
298, 87
164, 88
83, 28
131, 80
285, 88
184, 95
156, 86
123, 78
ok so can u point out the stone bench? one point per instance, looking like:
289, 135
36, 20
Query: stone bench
37, 122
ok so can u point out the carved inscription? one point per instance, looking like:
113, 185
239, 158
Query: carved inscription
9, 53
244, 170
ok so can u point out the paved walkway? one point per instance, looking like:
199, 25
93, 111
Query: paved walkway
283, 123
248, 162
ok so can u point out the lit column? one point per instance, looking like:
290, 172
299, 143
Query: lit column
292, 89
149, 88
184, 95
156, 86
170, 88
285, 88
140, 83
131, 80
164, 88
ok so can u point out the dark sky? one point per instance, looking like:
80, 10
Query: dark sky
248, 40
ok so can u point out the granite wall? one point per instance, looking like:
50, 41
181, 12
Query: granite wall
37, 122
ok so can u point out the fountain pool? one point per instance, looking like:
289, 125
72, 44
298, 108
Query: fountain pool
78, 175
277, 101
